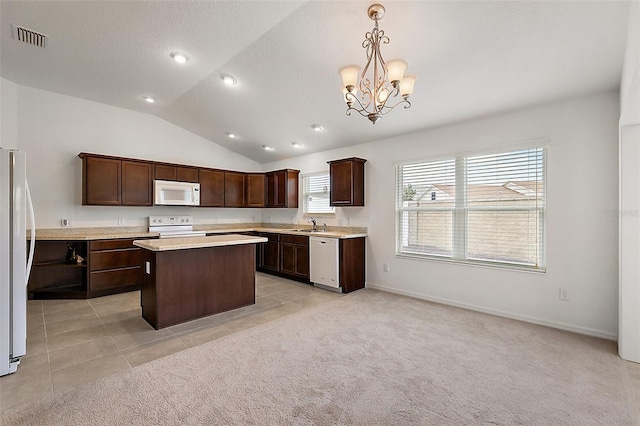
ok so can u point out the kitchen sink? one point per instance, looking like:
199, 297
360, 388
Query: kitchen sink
308, 230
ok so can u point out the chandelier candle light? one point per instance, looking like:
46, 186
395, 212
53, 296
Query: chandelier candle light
379, 81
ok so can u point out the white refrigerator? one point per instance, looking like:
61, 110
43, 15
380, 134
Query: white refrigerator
15, 264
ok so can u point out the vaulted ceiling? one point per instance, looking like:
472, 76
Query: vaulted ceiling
472, 59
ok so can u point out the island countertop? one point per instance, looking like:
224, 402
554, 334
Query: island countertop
165, 244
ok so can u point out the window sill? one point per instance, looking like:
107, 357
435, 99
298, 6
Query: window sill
503, 266
318, 215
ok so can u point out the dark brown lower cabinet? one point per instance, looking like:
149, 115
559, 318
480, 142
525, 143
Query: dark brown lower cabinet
288, 256
352, 264
114, 267
284, 255
52, 277
294, 255
109, 267
270, 252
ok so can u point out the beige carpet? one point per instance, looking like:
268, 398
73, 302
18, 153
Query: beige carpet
368, 358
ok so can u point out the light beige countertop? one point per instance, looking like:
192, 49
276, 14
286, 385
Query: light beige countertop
295, 231
185, 243
110, 233
85, 234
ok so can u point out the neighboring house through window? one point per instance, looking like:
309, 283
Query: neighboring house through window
316, 194
487, 208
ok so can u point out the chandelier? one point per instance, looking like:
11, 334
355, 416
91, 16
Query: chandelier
379, 81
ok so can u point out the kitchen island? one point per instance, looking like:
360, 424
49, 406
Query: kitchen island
188, 278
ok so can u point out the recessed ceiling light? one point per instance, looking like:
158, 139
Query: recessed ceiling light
179, 57
317, 127
229, 80
149, 99
231, 135
296, 145
267, 148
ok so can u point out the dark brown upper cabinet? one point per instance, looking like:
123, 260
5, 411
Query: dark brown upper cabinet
211, 188
137, 183
282, 188
101, 178
256, 190
178, 173
234, 183
111, 181
118, 181
187, 174
347, 182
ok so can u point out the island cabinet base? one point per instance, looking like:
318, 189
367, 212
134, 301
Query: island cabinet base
183, 285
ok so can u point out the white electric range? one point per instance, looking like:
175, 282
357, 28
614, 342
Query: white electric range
173, 226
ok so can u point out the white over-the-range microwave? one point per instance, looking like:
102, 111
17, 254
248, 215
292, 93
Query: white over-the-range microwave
171, 193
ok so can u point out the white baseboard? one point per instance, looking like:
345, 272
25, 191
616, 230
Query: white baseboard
553, 324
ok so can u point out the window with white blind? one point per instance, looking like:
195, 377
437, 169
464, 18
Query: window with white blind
315, 194
487, 208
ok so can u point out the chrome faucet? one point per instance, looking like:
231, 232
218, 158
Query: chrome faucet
312, 220
325, 227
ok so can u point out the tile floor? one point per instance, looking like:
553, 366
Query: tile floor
72, 342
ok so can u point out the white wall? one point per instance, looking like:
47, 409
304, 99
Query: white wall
8, 114
630, 81
53, 129
629, 298
582, 237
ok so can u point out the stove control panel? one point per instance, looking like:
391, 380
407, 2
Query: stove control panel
170, 220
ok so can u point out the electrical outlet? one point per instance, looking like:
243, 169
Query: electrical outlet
564, 294
65, 222
121, 221
385, 267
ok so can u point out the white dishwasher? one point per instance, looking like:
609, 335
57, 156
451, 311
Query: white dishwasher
324, 262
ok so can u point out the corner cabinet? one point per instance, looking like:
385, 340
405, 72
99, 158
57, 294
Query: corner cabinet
282, 188
255, 187
284, 255
234, 192
346, 178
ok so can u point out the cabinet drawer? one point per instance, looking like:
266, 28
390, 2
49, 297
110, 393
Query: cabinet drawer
114, 259
115, 278
295, 239
111, 244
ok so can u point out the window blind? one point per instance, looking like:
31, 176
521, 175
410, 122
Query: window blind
316, 194
487, 208
425, 205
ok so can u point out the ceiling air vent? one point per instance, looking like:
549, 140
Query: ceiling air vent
30, 37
